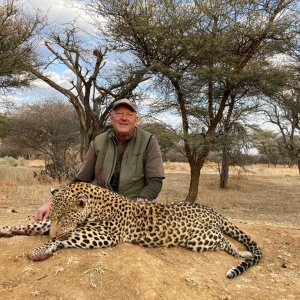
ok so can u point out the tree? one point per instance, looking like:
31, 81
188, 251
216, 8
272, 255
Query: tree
166, 137
50, 128
91, 92
265, 143
283, 111
3, 126
202, 52
231, 142
17, 33
282, 107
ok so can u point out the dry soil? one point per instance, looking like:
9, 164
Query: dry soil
266, 206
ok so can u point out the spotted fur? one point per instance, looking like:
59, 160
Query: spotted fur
36, 228
86, 216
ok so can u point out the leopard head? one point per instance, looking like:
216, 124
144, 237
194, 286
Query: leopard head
78, 203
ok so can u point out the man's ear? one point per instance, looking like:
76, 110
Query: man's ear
54, 191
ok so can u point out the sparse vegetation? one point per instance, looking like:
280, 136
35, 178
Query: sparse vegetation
10, 161
21, 172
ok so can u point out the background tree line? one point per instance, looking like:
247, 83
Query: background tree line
209, 63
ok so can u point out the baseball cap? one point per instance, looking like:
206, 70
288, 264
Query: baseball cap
125, 101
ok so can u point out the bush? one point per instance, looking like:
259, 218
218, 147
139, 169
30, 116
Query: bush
10, 161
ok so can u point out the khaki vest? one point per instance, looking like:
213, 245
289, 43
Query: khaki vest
132, 172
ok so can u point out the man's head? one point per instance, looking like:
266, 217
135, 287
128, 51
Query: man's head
124, 117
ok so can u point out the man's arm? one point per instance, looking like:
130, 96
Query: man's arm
154, 171
152, 188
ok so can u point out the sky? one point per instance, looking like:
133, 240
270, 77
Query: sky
58, 12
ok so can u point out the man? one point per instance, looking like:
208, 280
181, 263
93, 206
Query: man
124, 159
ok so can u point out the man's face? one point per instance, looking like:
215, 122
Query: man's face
123, 120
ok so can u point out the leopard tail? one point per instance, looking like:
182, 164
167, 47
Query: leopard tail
237, 234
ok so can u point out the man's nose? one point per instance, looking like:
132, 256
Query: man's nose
125, 117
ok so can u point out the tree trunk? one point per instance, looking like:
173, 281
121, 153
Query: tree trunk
224, 174
194, 182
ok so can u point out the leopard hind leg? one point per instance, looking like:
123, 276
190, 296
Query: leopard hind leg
213, 239
225, 245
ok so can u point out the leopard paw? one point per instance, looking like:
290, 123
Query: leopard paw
5, 231
38, 254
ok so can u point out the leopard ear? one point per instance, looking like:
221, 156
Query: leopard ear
81, 202
54, 191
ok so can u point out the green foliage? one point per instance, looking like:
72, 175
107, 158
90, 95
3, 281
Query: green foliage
166, 137
16, 45
265, 143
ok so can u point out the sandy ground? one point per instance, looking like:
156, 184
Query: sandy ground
267, 208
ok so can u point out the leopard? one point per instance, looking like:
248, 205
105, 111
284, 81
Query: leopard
87, 216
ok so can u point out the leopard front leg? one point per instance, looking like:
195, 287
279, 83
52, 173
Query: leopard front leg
82, 237
45, 251
36, 228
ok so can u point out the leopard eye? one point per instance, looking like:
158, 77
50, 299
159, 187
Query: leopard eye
54, 191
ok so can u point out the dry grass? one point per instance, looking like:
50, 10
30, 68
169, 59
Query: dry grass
250, 195
21, 172
36, 163
212, 168
12, 175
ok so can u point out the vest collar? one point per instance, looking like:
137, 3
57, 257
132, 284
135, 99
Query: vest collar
114, 136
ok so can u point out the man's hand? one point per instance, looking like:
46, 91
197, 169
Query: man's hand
44, 211
141, 200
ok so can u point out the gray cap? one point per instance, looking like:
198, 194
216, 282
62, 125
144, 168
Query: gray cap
125, 102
